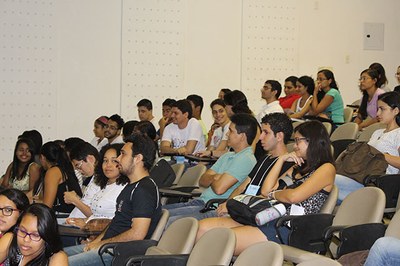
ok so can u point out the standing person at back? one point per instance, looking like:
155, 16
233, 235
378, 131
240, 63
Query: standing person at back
270, 92
184, 135
113, 129
145, 111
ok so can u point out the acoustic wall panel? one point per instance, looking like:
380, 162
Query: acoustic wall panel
152, 53
269, 45
27, 73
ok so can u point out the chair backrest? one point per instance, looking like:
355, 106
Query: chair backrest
215, 247
367, 132
178, 169
328, 127
260, 254
348, 114
163, 174
192, 175
345, 131
161, 225
393, 229
330, 202
339, 146
365, 205
178, 238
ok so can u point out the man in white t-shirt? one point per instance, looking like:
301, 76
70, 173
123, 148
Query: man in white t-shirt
145, 112
270, 92
184, 135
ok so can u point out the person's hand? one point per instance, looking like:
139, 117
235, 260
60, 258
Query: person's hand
292, 157
222, 210
70, 197
317, 87
92, 245
181, 150
79, 222
204, 153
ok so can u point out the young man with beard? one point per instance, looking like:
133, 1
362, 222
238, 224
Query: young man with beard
138, 205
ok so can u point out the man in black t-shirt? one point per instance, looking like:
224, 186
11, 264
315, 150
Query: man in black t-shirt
138, 206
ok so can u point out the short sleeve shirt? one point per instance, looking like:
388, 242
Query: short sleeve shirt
335, 110
137, 200
387, 142
237, 165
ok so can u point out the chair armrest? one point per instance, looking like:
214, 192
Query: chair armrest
359, 237
330, 230
174, 193
158, 260
297, 255
210, 205
123, 250
187, 189
306, 231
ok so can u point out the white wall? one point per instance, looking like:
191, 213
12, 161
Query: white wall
64, 63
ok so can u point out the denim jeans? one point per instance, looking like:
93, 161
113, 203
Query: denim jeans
346, 185
385, 251
78, 257
184, 209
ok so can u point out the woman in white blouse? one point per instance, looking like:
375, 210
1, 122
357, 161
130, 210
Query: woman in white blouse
102, 192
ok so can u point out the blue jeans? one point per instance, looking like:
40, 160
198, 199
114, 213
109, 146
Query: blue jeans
78, 257
385, 251
186, 209
346, 185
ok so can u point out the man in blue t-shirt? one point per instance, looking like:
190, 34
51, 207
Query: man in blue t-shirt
228, 172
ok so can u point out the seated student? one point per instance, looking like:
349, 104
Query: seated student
145, 112
218, 140
327, 101
313, 176
270, 93
112, 130
236, 102
98, 129
369, 85
37, 141
35, 240
22, 173
276, 132
165, 120
13, 202
128, 128
385, 140
59, 177
227, 173
184, 135
102, 192
222, 92
291, 93
138, 205
197, 104
382, 76
301, 106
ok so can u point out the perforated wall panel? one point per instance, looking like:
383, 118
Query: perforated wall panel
27, 73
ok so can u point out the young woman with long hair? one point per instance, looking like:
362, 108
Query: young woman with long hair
35, 240
23, 172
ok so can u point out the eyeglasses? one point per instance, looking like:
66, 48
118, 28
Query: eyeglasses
364, 78
111, 127
320, 79
79, 165
7, 211
297, 140
33, 236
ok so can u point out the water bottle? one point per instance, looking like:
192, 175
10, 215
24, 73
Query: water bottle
270, 214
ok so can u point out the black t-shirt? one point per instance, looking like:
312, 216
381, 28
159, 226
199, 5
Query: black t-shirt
262, 168
136, 200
